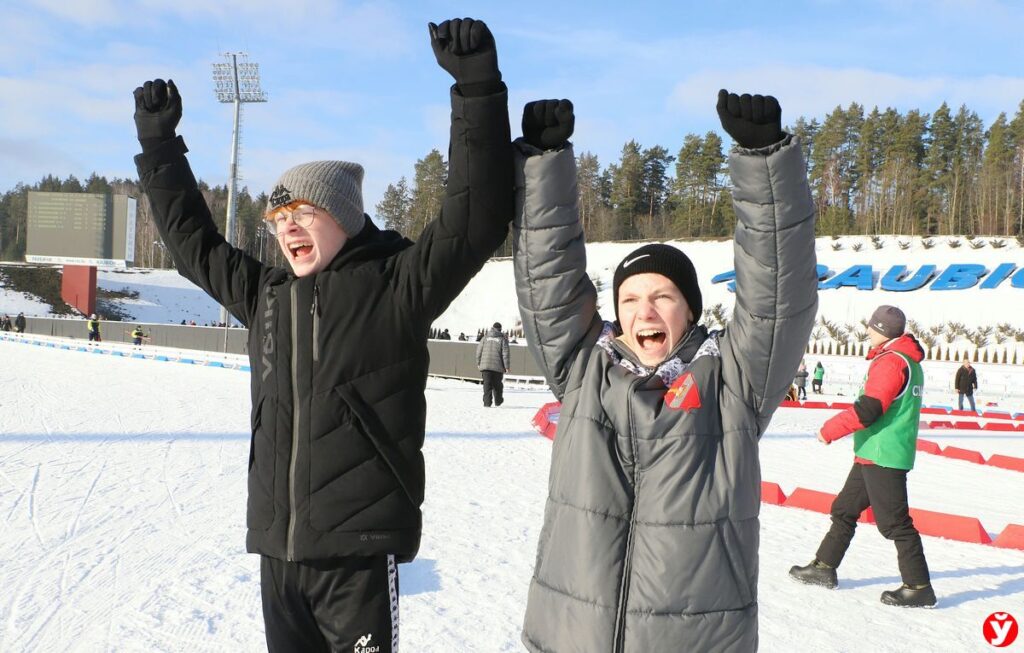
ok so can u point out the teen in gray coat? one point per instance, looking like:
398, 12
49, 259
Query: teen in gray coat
650, 535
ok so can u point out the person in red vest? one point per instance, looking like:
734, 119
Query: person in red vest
884, 420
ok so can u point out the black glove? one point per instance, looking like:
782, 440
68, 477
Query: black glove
465, 48
157, 112
548, 124
752, 121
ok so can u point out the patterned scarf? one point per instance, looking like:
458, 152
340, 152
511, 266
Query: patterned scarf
669, 370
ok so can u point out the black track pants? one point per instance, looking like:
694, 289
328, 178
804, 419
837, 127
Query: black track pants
492, 387
885, 490
344, 604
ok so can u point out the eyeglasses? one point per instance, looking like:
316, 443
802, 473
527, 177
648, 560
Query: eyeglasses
302, 216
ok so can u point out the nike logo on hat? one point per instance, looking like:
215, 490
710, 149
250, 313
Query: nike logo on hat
626, 264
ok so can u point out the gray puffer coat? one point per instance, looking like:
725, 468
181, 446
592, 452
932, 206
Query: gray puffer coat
650, 535
492, 352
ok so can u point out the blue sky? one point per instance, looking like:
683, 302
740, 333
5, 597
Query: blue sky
358, 81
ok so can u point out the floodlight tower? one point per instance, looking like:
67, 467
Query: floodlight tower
237, 82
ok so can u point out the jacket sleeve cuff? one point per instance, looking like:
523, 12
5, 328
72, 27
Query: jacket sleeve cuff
768, 150
163, 153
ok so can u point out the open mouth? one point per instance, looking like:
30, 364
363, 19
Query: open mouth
650, 339
300, 249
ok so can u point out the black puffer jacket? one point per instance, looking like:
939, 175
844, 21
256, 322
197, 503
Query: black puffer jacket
339, 358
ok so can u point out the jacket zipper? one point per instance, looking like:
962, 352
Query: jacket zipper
315, 312
620, 617
295, 421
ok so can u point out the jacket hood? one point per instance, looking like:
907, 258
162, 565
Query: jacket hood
371, 244
906, 344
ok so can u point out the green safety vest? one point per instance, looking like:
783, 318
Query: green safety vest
892, 440
93, 325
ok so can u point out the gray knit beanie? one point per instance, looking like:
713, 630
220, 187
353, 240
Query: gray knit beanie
335, 186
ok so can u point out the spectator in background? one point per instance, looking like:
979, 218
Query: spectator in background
5, 323
492, 361
819, 376
462, 337
93, 324
138, 336
966, 383
444, 335
19, 323
801, 381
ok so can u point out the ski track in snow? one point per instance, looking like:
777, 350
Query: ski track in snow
122, 489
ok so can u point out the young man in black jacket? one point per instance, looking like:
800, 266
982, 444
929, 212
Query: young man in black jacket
338, 349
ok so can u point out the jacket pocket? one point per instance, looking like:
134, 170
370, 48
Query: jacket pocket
371, 426
733, 547
259, 512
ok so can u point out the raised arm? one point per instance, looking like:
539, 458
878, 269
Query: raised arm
477, 206
557, 300
199, 251
776, 281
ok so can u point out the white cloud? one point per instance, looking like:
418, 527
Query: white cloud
817, 90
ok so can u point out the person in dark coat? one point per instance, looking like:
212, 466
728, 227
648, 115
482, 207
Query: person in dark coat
19, 323
5, 323
966, 383
492, 359
800, 381
884, 422
338, 349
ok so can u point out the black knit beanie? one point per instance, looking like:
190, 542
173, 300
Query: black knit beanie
665, 260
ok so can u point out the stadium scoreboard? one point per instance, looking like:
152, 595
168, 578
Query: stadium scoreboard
96, 229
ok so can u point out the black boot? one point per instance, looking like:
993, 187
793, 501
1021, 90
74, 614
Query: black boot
906, 596
816, 573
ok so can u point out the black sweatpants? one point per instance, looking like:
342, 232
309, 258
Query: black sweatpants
344, 604
885, 490
492, 387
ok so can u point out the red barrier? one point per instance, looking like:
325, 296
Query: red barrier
951, 527
941, 425
840, 405
964, 413
963, 454
928, 446
867, 517
967, 426
999, 426
546, 419
815, 404
996, 414
789, 403
1012, 537
772, 493
1007, 462
810, 500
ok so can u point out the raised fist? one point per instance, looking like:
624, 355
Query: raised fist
753, 121
548, 124
465, 48
157, 111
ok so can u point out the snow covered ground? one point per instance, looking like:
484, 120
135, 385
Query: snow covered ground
122, 490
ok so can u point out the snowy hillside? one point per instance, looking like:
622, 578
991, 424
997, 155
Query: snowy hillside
166, 297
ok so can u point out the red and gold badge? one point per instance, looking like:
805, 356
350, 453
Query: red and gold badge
683, 394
